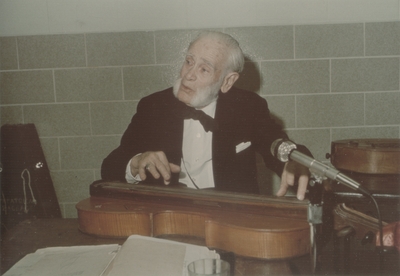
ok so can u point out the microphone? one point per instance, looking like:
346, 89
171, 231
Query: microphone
285, 150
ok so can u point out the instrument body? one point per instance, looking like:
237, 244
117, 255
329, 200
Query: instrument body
374, 163
370, 156
248, 225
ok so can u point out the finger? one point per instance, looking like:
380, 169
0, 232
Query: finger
282, 189
142, 174
290, 177
152, 168
284, 186
135, 166
174, 168
162, 162
163, 167
157, 164
303, 183
146, 165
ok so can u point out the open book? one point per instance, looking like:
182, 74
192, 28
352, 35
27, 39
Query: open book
137, 256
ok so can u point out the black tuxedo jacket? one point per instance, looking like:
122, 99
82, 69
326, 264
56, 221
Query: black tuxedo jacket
242, 116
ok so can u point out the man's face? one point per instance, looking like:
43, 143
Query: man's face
201, 73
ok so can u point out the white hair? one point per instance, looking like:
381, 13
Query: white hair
235, 55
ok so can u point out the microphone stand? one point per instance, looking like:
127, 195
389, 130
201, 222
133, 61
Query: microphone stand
315, 212
314, 217
285, 150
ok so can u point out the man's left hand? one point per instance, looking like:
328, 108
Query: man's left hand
291, 172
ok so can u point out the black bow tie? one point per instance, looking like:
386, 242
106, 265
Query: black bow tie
207, 121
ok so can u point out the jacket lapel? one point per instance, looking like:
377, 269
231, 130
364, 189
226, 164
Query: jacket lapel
223, 142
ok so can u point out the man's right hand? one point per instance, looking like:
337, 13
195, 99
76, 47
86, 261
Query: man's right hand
154, 162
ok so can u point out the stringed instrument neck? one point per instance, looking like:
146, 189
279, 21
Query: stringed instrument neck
360, 222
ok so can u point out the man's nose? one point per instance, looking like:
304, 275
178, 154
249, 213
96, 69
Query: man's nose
190, 74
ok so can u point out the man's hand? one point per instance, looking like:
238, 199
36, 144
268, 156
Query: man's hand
291, 171
154, 162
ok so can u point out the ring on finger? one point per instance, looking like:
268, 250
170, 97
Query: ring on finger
147, 167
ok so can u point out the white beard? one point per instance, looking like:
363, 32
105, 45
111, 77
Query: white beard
203, 96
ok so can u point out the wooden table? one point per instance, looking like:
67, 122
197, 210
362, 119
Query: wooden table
32, 234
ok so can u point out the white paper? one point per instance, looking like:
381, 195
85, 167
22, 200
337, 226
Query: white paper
139, 256
146, 256
74, 260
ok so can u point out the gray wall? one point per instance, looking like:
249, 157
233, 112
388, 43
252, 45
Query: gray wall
323, 82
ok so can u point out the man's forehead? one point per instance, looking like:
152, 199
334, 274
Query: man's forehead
209, 50
209, 43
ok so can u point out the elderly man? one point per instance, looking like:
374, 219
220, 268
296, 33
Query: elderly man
203, 132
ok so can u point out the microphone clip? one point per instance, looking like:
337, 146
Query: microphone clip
316, 177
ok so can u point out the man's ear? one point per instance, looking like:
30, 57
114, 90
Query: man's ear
229, 80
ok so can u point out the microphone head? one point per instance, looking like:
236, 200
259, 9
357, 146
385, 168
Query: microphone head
281, 149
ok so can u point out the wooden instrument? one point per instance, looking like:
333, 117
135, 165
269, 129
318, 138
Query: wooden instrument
360, 222
248, 225
372, 156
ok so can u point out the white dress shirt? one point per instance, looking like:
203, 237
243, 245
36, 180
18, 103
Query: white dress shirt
196, 164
